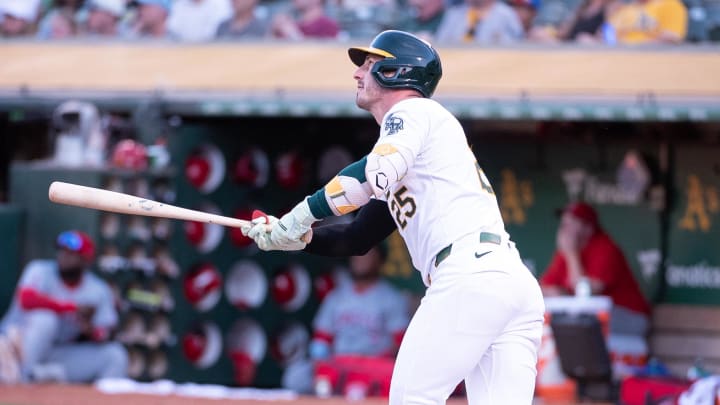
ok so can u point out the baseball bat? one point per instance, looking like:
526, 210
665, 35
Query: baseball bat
105, 200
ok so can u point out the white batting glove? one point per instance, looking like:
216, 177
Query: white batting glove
261, 236
293, 226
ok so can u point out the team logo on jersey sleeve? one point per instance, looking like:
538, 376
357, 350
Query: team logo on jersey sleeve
393, 124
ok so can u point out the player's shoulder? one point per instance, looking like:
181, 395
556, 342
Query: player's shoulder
95, 280
41, 266
337, 293
603, 242
387, 288
418, 105
421, 112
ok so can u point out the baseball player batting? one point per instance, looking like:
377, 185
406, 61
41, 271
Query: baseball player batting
481, 317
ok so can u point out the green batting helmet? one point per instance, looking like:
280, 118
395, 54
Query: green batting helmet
414, 62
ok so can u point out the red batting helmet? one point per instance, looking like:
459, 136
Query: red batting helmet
129, 154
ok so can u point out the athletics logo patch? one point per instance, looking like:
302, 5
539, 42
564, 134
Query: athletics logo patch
393, 124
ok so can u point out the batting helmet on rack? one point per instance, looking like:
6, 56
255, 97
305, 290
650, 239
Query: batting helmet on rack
409, 62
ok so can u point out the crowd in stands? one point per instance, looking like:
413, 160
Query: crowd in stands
486, 22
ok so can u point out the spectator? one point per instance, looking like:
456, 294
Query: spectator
363, 18
424, 17
312, 22
480, 21
70, 5
586, 254
526, 10
149, 21
197, 20
365, 316
244, 22
18, 17
65, 316
103, 17
58, 24
586, 25
650, 21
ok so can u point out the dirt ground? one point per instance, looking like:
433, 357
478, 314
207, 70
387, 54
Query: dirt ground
53, 394
88, 395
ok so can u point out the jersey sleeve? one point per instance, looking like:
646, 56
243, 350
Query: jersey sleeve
402, 137
606, 267
105, 314
673, 18
556, 273
405, 129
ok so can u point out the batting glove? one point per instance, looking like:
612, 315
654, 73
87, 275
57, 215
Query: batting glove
293, 226
261, 236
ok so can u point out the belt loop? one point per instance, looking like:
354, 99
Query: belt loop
443, 254
487, 237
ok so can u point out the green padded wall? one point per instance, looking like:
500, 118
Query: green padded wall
11, 227
693, 264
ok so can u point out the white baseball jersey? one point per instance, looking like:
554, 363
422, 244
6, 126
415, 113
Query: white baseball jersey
363, 322
44, 277
444, 178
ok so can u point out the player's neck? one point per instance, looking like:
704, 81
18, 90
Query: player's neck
391, 98
360, 286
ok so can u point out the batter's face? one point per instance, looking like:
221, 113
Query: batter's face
369, 92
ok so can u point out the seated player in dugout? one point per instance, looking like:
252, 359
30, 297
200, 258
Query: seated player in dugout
586, 254
364, 315
60, 321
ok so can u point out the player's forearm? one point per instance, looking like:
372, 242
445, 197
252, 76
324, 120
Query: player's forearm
33, 299
575, 267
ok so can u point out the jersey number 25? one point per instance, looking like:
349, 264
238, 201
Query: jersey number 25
402, 206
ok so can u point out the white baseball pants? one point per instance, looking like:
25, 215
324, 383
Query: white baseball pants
480, 320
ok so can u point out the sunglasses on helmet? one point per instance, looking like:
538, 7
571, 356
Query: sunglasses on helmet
69, 240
